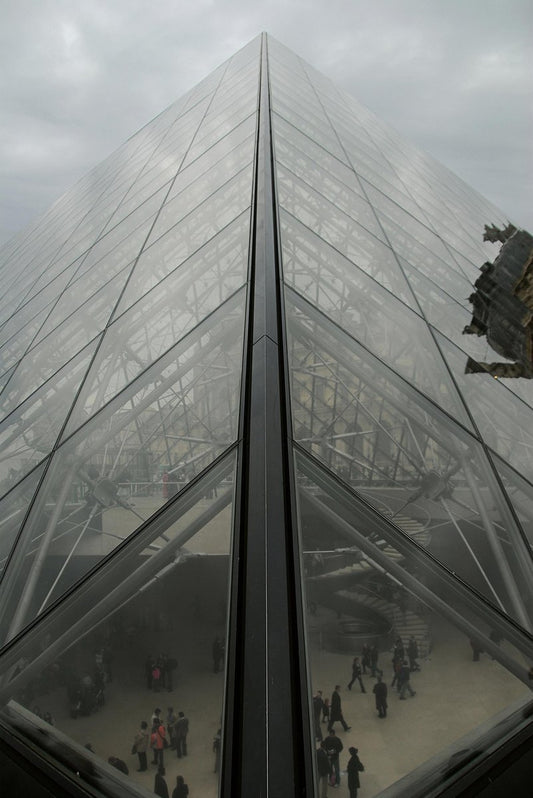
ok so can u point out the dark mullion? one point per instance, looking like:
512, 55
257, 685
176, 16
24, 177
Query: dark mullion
267, 705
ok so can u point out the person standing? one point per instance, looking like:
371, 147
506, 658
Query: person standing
354, 767
323, 767
333, 746
335, 713
171, 727
140, 746
157, 742
356, 675
181, 790
160, 786
380, 691
182, 729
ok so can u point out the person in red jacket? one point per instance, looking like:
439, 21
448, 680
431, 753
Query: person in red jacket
157, 744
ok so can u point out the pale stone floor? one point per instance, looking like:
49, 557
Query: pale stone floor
453, 696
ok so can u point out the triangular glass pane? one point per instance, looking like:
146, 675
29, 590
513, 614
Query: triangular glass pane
176, 418
406, 457
371, 589
141, 633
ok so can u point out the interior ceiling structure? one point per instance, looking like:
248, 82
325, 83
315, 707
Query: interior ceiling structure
127, 325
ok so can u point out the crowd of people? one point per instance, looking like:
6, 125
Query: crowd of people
329, 711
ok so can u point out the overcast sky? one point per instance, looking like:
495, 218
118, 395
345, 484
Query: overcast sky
78, 78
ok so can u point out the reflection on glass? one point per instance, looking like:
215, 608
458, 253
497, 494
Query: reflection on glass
379, 612
30, 431
144, 446
13, 508
146, 634
411, 461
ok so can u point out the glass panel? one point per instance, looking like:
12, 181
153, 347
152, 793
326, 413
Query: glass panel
165, 314
146, 631
305, 158
164, 257
375, 318
520, 492
408, 459
371, 590
308, 259
324, 217
503, 419
13, 508
29, 433
45, 360
182, 240
204, 186
106, 480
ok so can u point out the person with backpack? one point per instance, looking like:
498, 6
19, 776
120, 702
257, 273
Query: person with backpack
140, 746
333, 746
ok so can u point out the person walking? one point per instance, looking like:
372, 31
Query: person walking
354, 768
140, 746
335, 713
404, 680
380, 692
356, 675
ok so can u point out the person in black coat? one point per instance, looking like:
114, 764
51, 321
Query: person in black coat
160, 786
335, 713
356, 675
380, 691
354, 767
181, 790
323, 766
333, 746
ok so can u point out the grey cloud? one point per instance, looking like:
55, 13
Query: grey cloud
77, 79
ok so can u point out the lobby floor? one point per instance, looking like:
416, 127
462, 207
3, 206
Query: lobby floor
453, 696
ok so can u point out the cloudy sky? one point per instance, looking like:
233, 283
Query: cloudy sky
78, 78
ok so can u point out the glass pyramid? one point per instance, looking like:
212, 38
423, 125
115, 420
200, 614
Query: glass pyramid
240, 448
